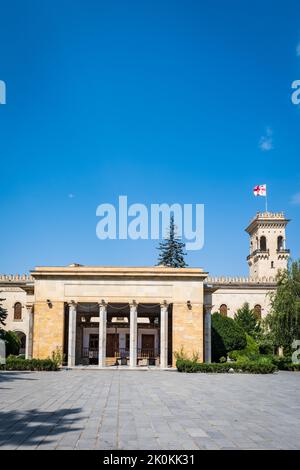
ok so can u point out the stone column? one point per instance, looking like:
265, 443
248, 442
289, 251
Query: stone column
207, 333
133, 335
72, 334
102, 334
164, 335
29, 337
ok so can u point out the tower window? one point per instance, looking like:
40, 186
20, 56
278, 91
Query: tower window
257, 311
17, 311
263, 243
223, 310
272, 264
279, 243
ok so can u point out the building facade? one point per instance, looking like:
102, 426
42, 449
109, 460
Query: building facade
137, 316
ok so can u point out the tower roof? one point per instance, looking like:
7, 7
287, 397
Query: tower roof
267, 219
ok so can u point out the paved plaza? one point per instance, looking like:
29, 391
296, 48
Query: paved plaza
122, 409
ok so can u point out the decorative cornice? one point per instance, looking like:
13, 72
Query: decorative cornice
16, 278
239, 280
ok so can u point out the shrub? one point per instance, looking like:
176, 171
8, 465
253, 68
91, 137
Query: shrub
57, 356
292, 367
226, 336
282, 362
251, 351
246, 367
15, 363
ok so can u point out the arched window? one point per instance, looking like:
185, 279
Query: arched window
279, 243
223, 310
257, 311
17, 311
263, 243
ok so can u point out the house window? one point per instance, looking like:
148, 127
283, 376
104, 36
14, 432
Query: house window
17, 311
279, 243
223, 310
257, 311
263, 243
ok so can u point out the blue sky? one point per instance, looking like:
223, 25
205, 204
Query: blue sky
162, 101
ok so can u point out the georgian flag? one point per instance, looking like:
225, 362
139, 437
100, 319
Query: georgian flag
260, 190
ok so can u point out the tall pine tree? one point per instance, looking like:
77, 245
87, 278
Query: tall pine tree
172, 249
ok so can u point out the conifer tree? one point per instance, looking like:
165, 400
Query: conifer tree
246, 318
172, 249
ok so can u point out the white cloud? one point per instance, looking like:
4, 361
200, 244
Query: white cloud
266, 141
298, 49
296, 199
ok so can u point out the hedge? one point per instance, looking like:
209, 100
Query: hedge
15, 363
247, 367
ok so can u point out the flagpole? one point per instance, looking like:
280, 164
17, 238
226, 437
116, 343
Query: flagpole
266, 200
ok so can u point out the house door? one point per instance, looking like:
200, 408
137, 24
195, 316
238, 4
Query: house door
148, 345
112, 344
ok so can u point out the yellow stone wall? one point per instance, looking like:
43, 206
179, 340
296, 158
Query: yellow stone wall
188, 329
48, 332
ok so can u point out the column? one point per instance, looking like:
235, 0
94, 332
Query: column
207, 333
102, 334
133, 335
164, 335
29, 336
72, 334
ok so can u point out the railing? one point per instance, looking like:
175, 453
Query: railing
93, 353
147, 353
258, 252
90, 353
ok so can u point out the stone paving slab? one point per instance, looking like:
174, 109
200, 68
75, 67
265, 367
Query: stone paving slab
123, 409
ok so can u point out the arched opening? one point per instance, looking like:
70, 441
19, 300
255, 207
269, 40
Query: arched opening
22, 338
263, 243
257, 311
279, 243
223, 310
18, 311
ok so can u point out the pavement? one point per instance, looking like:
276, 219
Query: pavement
148, 409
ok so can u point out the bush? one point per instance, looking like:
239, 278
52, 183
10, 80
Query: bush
246, 367
226, 336
15, 363
251, 351
292, 367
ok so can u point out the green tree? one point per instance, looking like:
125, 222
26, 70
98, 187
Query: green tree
3, 314
13, 343
226, 335
172, 249
283, 321
246, 318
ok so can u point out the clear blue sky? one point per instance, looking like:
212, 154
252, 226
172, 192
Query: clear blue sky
163, 101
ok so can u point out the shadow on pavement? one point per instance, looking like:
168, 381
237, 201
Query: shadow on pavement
33, 426
6, 377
